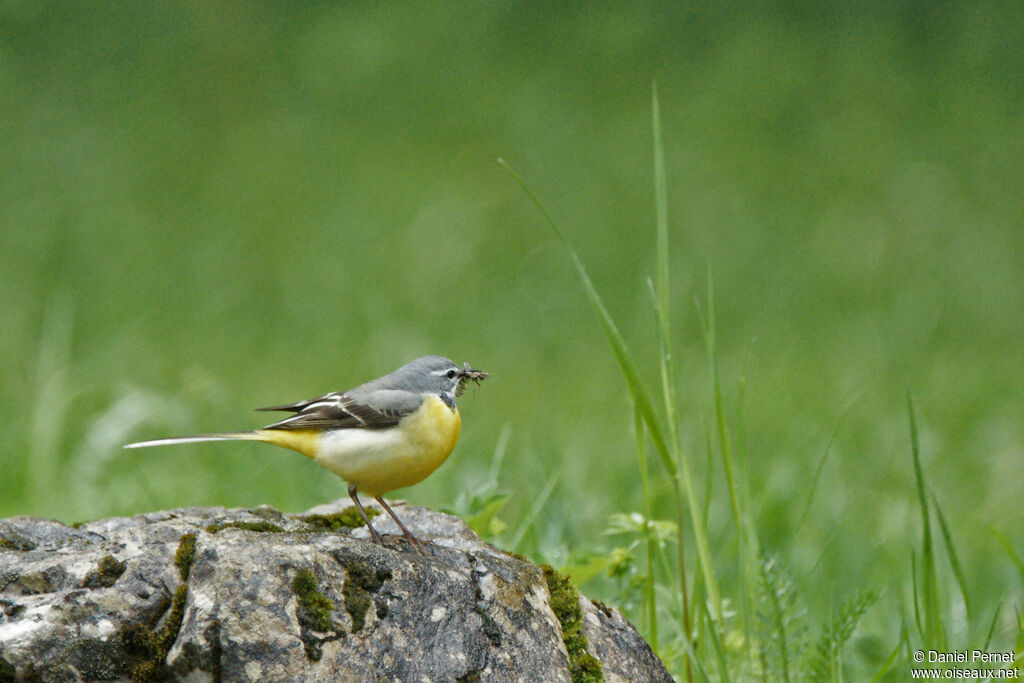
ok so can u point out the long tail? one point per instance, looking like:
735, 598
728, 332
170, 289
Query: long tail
305, 441
196, 438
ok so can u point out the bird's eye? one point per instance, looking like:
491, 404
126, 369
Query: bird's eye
450, 374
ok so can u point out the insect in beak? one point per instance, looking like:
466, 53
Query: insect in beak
468, 374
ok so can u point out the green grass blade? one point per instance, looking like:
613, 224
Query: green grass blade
826, 662
934, 632
709, 480
643, 401
992, 626
50, 406
641, 451
1008, 549
499, 455
954, 558
662, 296
538, 504
661, 291
821, 465
626, 364
744, 528
693, 659
891, 659
717, 647
915, 591
776, 599
1019, 640
661, 285
650, 601
661, 206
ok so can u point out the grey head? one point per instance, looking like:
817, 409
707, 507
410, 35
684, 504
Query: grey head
427, 375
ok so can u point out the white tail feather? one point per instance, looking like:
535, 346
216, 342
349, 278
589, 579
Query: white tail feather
226, 436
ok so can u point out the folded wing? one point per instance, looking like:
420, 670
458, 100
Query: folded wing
372, 410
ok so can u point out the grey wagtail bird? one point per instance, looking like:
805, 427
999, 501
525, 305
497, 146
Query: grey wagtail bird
389, 433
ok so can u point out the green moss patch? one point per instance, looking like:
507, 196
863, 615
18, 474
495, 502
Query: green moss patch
35, 583
267, 512
361, 583
314, 614
212, 635
264, 527
603, 606
185, 555
314, 607
565, 603
147, 648
8, 674
106, 574
169, 633
349, 518
15, 542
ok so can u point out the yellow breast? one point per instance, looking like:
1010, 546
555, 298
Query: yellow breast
435, 429
381, 460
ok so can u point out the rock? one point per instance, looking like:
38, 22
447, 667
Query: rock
256, 595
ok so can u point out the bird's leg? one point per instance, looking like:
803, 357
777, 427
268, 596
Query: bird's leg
412, 539
359, 506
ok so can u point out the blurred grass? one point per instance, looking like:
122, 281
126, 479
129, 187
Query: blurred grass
208, 207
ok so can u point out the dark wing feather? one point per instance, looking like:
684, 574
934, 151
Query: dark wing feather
341, 411
301, 405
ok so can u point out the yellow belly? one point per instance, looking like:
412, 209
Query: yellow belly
381, 460
305, 441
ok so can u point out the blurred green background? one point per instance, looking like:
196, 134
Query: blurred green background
207, 207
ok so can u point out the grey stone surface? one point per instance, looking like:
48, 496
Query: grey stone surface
170, 596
